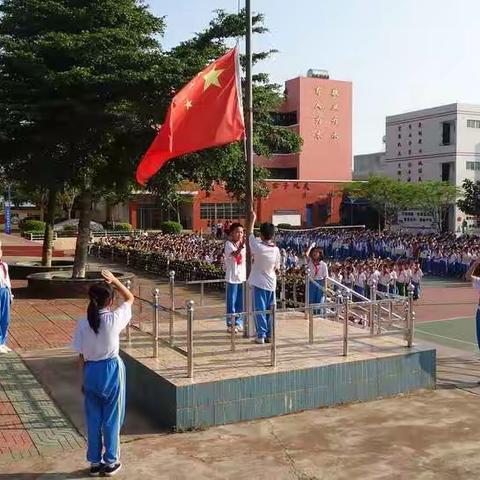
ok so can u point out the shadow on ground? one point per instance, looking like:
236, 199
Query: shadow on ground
57, 370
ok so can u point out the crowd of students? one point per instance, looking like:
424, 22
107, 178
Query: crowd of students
439, 255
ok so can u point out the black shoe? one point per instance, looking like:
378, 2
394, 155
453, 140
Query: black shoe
268, 340
95, 470
113, 470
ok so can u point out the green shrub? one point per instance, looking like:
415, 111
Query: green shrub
119, 227
285, 226
171, 227
70, 230
32, 226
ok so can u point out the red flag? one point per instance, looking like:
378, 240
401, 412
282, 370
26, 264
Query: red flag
205, 113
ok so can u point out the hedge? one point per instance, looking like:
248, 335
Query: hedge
171, 227
32, 226
119, 227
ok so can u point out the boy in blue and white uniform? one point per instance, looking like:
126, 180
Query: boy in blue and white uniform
97, 340
263, 277
6, 299
235, 275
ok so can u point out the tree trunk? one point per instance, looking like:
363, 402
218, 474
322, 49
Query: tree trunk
49, 223
83, 237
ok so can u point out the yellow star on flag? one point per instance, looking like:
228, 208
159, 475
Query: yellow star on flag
188, 104
211, 78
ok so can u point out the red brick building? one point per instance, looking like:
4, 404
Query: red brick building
304, 187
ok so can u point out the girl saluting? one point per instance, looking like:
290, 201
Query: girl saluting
97, 340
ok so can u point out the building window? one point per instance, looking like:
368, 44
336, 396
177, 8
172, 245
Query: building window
419, 179
409, 152
419, 124
473, 123
409, 179
473, 165
420, 150
409, 164
399, 172
222, 211
399, 154
420, 162
399, 128
409, 142
409, 172
420, 133
283, 173
399, 144
409, 127
284, 119
410, 135
419, 140
447, 132
399, 165
420, 170
399, 136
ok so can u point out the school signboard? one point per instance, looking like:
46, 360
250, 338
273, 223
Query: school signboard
8, 217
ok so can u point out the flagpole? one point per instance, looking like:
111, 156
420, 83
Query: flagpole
249, 117
248, 331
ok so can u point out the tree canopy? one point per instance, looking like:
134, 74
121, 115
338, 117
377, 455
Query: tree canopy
470, 201
389, 197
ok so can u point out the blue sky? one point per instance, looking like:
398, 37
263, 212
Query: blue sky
400, 54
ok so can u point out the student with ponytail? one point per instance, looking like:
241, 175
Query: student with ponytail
97, 340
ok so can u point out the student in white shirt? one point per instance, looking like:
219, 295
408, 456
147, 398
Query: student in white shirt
263, 277
473, 275
235, 275
97, 341
416, 278
6, 298
318, 272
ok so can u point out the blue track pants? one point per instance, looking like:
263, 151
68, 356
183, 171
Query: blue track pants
104, 387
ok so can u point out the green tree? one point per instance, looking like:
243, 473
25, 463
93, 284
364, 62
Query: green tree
437, 198
78, 79
470, 201
225, 165
386, 195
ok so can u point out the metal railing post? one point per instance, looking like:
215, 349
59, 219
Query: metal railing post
339, 299
171, 332
307, 291
310, 325
128, 259
390, 310
345, 324
202, 293
113, 254
283, 298
246, 309
273, 339
155, 293
128, 332
373, 297
410, 316
190, 304
295, 303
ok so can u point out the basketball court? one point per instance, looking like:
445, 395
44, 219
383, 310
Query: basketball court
445, 314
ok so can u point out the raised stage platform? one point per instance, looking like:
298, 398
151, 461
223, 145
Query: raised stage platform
242, 385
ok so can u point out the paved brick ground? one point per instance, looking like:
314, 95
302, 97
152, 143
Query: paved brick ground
30, 423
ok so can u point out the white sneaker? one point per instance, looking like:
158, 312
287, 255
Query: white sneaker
260, 341
4, 349
229, 329
239, 328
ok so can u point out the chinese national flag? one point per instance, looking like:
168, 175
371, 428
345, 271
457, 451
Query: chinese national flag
205, 113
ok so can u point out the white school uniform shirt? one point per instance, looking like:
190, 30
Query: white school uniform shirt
476, 286
416, 276
386, 278
106, 343
266, 258
402, 276
4, 276
318, 271
235, 272
361, 280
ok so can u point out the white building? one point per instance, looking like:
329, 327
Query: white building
368, 164
441, 143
